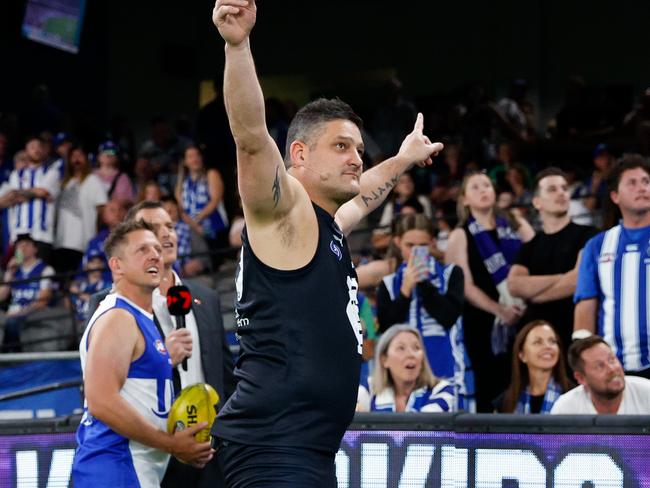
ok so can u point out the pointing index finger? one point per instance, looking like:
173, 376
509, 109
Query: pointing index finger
419, 124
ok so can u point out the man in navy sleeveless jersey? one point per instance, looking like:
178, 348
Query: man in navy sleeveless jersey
128, 377
296, 306
614, 275
28, 294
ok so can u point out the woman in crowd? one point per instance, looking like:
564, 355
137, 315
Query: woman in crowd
116, 182
538, 371
82, 193
200, 192
428, 295
484, 246
402, 380
150, 191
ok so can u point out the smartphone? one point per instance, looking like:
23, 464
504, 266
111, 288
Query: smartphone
420, 254
420, 259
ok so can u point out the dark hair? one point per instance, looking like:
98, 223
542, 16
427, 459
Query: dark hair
519, 379
310, 118
611, 211
146, 204
578, 347
119, 233
625, 163
67, 173
170, 199
550, 171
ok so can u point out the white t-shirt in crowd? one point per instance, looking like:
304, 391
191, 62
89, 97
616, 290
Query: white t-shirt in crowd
77, 212
636, 399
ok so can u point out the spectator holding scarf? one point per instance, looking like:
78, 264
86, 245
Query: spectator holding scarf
428, 296
538, 371
484, 246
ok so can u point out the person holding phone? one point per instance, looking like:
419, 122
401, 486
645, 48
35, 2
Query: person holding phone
428, 296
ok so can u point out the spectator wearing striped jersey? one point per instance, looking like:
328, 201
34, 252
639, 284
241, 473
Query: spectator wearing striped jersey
538, 371
8, 198
428, 295
34, 190
613, 278
199, 190
28, 294
402, 380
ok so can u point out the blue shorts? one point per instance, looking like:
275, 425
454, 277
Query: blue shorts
247, 466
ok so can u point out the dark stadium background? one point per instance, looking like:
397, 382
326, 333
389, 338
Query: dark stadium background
143, 57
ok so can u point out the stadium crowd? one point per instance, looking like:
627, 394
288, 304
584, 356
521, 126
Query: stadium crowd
510, 215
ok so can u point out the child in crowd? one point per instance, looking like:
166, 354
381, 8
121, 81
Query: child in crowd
93, 282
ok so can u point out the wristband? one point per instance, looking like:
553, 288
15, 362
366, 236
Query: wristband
580, 334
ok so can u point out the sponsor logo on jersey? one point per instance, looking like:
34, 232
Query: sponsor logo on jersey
336, 250
607, 257
160, 346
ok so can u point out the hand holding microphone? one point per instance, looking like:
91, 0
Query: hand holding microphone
179, 303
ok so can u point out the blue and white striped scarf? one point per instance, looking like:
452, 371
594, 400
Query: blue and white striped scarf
497, 256
418, 316
553, 392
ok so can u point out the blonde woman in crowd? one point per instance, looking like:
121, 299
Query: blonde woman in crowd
484, 246
402, 380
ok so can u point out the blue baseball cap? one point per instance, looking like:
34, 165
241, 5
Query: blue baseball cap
61, 137
600, 149
107, 147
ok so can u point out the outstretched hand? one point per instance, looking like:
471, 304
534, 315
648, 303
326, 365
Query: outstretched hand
234, 19
417, 148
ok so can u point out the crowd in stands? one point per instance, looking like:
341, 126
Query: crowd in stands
467, 275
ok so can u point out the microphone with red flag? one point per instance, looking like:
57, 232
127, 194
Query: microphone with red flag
179, 302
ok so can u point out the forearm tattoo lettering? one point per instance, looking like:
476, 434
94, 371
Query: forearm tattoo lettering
376, 194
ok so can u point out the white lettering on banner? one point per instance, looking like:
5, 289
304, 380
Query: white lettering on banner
525, 468
26, 469
342, 469
374, 465
493, 466
453, 467
60, 469
417, 465
578, 468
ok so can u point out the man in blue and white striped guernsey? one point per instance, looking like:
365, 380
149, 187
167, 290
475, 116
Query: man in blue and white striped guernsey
128, 376
611, 296
35, 189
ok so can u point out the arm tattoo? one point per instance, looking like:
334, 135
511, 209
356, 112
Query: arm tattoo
380, 191
276, 187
